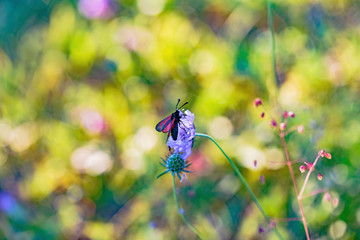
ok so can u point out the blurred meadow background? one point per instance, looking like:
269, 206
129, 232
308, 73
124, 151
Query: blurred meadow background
83, 84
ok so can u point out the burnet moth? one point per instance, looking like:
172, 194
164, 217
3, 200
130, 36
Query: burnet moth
170, 124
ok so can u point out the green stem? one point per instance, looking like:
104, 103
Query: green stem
242, 179
192, 228
271, 28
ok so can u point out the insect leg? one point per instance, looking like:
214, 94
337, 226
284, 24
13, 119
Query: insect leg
183, 125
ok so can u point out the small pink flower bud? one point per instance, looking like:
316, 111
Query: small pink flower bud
300, 129
282, 126
255, 163
327, 197
262, 115
257, 102
302, 168
328, 155
319, 176
335, 202
322, 153
286, 114
272, 224
273, 123
291, 114
309, 165
262, 179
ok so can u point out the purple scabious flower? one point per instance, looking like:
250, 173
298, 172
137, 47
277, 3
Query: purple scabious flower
186, 135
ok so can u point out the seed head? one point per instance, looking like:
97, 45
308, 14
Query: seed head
175, 164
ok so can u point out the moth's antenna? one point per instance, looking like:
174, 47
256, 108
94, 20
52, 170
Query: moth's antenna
184, 104
177, 103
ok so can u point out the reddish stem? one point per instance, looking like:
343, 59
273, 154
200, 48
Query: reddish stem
314, 193
292, 129
286, 219
308, 176
282, 138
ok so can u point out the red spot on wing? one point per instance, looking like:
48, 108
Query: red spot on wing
169, 126
164, 124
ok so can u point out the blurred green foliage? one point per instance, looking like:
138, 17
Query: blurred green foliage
82, 85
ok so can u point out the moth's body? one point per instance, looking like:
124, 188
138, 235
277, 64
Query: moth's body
170, 124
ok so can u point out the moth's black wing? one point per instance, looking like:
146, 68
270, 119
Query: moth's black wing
174, 131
